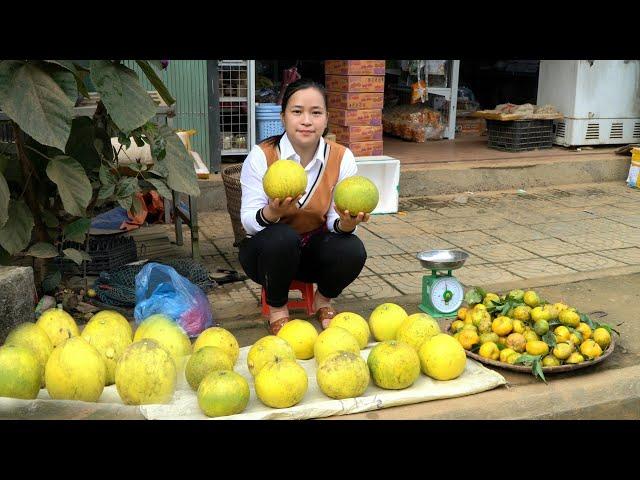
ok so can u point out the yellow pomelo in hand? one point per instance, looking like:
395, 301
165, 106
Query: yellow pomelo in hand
31, 336
355, 325
221, 338
442, 357
385, 320
301, 336
394, 365
268, 349
284, 178
206, 360
416, 329
334, 339
58, 325
343, 375
168, 334
223, 392
75, 371
111, 334
20, 372
281, 384
145, 374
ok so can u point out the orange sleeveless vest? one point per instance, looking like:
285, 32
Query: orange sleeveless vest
313, 213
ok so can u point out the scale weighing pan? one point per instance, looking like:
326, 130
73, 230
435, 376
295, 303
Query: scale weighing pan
442, 259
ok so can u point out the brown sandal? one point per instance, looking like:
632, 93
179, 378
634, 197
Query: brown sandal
275, 326
324, 316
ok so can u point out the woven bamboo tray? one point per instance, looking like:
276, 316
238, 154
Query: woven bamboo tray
546, 370
506, 117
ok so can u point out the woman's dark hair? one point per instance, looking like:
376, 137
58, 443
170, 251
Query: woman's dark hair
292, 88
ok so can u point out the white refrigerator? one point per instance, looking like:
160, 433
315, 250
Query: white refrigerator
600, 100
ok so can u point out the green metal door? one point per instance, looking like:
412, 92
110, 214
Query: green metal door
187, 82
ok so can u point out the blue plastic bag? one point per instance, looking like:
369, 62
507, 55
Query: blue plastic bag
160, 289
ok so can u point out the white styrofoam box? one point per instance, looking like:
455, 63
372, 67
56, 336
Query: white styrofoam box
384, 172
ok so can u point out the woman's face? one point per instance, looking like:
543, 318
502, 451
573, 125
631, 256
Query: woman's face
305, 117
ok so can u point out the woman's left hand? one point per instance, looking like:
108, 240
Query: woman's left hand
347, 222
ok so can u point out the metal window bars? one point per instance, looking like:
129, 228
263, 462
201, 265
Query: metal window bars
236, 99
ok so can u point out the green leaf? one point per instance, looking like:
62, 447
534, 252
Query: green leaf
51, 281
526, 358
50, 220
73, 185
156, 81
15, 235
136, 205
43, 250
128, 104
473, 296
35, 101
107, 177
161, 187
159, 169
66, 81
78, 72
106, 191
537, 370
127, 187
550, 339
81, 143
77, 230
76, 255
4, 200
125, 202
181, 173
586, 319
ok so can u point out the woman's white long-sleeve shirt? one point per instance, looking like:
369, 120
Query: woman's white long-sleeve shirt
255, 166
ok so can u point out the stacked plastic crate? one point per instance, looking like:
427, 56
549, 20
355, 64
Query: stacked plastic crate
355, 91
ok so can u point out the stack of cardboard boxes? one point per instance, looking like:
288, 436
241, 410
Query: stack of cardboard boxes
355, 91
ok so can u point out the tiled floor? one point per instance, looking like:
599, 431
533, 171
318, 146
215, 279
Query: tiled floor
557, 231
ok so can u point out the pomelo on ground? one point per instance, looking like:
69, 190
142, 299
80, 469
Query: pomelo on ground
343, 375
58, 325
206, 360
223, 392
75, 371
31, 336
19, 372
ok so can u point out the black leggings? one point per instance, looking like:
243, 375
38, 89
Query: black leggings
274, 257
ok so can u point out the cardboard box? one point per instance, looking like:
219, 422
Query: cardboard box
470, 126
346, 135
354, 83
354, 67
355, 101
352, 118
365, 149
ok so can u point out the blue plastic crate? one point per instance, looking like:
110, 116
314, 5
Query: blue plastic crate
268, 127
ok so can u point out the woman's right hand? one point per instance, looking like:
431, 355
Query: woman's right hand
278, 208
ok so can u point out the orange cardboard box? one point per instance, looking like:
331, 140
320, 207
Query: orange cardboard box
354, 67
355, 101
351, 118
366, 149
356, 134
354, 83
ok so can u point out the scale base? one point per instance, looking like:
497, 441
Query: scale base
436, 314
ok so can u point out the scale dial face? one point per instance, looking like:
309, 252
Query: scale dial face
446, 294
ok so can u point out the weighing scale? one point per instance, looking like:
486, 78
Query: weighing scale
442, 293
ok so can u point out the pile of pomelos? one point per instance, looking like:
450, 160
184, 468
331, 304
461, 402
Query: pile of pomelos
520, 327
77, 364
